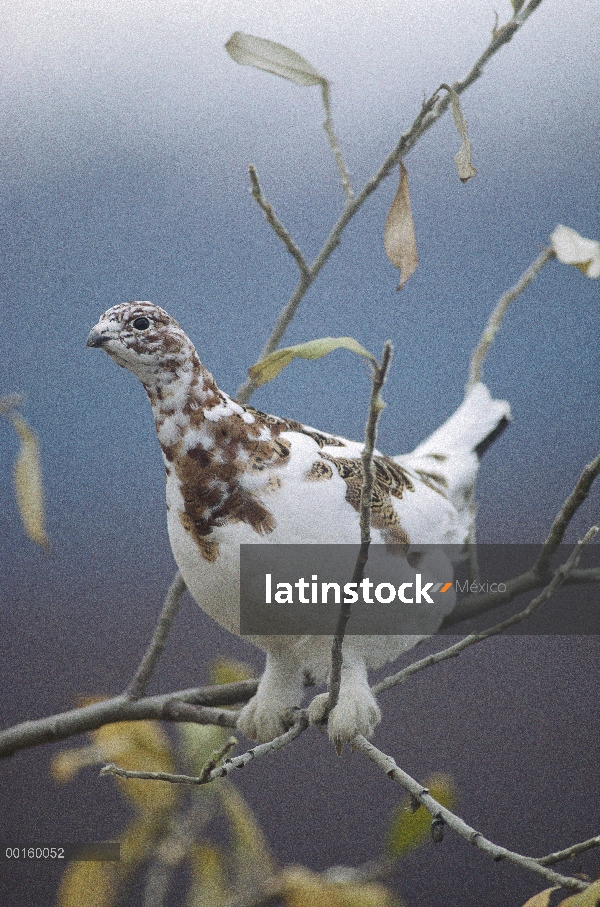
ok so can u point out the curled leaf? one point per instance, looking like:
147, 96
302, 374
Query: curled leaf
268, 368
464, 167
28, 482
248, 50
572, 249
399, 240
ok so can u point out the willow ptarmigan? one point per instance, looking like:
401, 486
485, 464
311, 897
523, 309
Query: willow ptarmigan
236, 475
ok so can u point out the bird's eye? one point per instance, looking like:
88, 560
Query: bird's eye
141, 324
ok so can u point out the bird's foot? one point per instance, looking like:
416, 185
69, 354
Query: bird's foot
356, 712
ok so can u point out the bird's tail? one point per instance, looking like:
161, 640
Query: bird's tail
454, 450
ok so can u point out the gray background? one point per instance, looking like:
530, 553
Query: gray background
125, 134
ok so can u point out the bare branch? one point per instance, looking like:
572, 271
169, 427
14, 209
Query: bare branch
332, 138
452, 651
497, 316
454, 822
473, 605
221, 771
275, 223
430, 113
565, 515
569, 852
376, 406
142, 676
195, 705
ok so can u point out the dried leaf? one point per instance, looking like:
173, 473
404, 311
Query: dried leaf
28, 482
464, 167
408, 829
399, 239
573, 249
248, 50
269, 367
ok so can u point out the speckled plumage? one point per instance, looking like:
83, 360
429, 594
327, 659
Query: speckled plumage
236, 475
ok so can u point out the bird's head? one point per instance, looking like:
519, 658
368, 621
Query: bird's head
143, 338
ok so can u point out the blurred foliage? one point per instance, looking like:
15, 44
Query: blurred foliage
170, 829
410, 828
27, 479
588, 898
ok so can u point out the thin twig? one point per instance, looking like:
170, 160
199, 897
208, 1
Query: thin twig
217, 757
221, 771
495, 319
142, 676
572, 851
565, 515
274, 222
430, 113
454, 822
376, 406
474, 605
335, 145
452, 651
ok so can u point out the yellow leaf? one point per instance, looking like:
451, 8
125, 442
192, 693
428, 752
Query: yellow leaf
199, 742
227, 670
28, 483
399, 238
90, 884
138, 746
67, 763
208, 887
587, 898
250, 850
407, 829
269, 367
138, 842
248, 50
541, 899
302, 888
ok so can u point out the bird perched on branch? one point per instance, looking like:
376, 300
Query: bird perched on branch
236, 475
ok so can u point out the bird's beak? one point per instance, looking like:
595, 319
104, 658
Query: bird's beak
95, 338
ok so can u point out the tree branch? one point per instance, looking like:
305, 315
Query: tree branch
376, 406
430, 113
276, 224
221, 771
452, 651
142, 676
454, 822
474, 605
495, 319
565, 515
194, 705
335, 147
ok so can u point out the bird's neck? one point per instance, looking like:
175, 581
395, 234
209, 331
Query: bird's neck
183, 397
